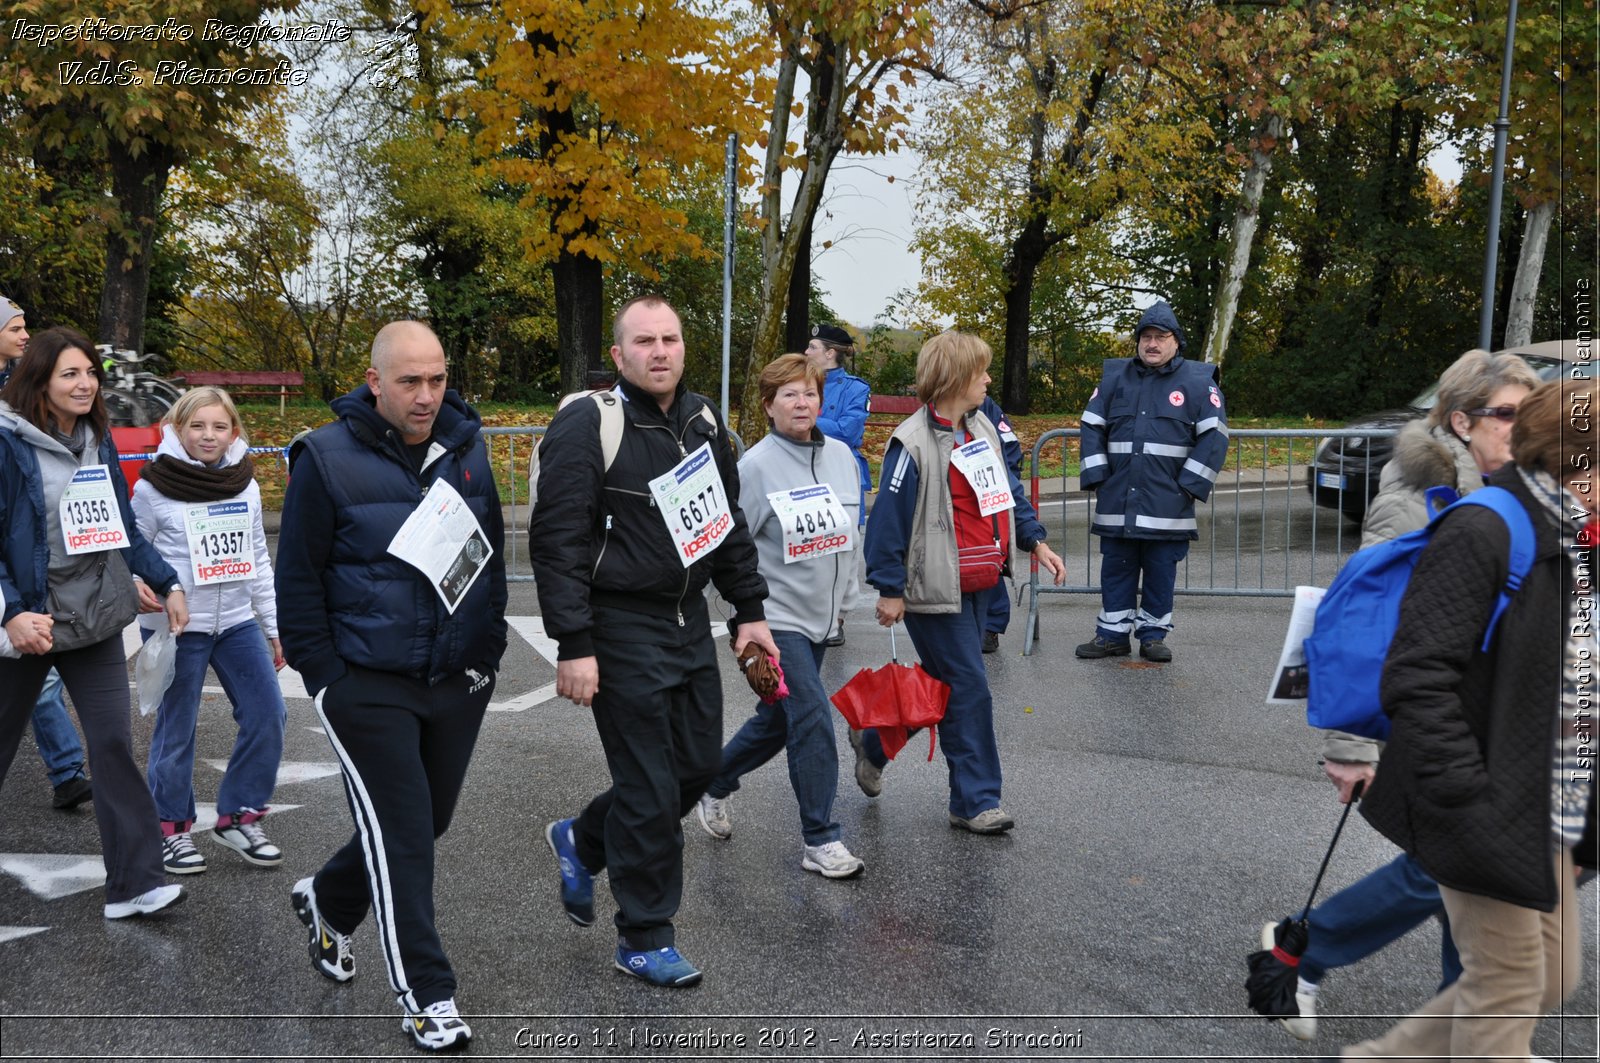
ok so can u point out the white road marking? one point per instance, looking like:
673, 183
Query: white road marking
293, 771
11, 933
51, 877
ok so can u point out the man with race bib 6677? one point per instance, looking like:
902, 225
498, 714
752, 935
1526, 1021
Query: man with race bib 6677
635, 515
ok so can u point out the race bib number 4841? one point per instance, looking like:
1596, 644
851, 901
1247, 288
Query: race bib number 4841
814, 523
694, 505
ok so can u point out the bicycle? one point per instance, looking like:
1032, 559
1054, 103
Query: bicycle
134, 397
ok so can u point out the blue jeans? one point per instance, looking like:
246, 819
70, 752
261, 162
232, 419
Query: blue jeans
243, 662
802, 724
951, 648
1122, 561
54, 734
1366, 915
997, 610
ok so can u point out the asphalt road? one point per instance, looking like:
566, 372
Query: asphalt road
1164, 813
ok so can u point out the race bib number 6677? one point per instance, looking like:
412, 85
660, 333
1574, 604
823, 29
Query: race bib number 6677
694, 505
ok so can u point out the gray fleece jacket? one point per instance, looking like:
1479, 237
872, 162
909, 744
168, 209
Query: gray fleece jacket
806, 596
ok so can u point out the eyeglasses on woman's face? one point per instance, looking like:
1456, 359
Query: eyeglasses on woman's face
1499, 413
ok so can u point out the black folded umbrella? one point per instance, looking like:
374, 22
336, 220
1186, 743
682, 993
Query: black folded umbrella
1275, 972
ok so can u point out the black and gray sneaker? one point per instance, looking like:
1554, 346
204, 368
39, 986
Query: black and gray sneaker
248, 839
438, 1027
330, 950
179, 856
1155, 650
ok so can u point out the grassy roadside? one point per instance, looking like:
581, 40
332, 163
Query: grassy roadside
265, 428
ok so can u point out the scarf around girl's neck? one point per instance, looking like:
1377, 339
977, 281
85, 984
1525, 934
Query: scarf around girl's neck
184, 481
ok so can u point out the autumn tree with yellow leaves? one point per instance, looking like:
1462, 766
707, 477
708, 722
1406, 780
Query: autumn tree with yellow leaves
595, 111
133, 106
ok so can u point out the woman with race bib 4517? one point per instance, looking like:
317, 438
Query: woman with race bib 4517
199, 504
937, 543
67, 545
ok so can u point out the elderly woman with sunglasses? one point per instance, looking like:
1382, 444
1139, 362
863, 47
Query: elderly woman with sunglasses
1467, 436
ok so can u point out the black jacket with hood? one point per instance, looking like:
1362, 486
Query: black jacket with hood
597, 537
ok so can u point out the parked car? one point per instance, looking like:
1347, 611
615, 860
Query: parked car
1345, 471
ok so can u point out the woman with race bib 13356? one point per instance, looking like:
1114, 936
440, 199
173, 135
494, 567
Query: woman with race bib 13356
67, 545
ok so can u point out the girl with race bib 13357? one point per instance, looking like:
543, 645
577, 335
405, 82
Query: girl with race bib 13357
199, 504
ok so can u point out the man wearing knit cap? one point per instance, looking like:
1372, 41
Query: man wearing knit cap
13, 336
53, 732
1154, 438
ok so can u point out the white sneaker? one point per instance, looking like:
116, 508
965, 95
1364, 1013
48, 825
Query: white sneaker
989, 821
712, 812
832, 860
437, 1027
1305, 1026
147, 903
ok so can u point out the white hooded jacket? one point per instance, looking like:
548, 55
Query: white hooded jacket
215, 607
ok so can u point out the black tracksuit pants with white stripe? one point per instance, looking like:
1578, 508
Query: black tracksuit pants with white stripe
403, 747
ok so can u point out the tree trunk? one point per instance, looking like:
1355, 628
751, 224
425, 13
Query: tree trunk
1535, 236
1400, 167
579, 287
137, 185
1226, 306
1022, 266
797, 322
578, 280
780, 243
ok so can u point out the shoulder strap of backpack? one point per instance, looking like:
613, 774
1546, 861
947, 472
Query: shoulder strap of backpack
612, 422
1518, 523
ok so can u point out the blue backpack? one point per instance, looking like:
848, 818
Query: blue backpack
1359, 614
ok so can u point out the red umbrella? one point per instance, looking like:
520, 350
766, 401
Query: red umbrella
894, 700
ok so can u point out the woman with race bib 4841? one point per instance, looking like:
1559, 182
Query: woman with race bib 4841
801, 498
67, 545
199, 504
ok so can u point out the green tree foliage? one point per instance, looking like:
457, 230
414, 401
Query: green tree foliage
127, 107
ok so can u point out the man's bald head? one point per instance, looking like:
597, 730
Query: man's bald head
407, 377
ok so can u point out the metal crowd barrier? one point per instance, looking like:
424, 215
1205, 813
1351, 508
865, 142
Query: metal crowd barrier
1261, 533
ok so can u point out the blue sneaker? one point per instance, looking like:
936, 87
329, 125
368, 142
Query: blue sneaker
662, 967
577, 885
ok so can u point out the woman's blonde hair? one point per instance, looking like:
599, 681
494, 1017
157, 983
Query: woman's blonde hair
1475, 376
1554, 430
948, 363
194, 400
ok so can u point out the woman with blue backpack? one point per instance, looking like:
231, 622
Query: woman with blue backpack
1465, 438
1488, 773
